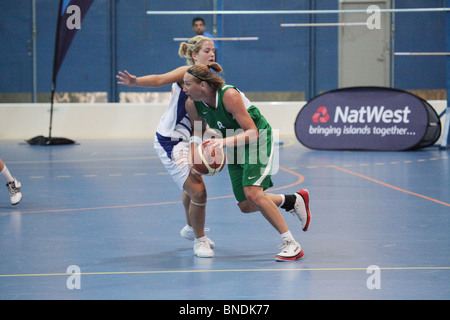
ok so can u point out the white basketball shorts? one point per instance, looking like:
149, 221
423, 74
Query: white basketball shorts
175, 160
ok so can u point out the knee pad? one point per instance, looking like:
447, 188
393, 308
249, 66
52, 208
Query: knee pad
198, 204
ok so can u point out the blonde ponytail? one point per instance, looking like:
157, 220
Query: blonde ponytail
182, 52
193, 45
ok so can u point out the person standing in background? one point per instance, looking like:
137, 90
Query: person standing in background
199, 27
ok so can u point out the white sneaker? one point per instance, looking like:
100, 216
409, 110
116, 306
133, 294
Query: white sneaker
188, 233
290, 251
14, 191
301, 208
202, 248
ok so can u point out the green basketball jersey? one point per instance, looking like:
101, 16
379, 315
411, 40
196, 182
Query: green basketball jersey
222, 120
251, 164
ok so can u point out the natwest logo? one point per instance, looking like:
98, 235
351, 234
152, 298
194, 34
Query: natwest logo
367, 118
370, 114
321, 115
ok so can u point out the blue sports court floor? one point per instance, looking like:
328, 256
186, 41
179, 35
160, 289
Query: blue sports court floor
108, 210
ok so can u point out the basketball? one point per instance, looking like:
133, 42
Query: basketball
208, 160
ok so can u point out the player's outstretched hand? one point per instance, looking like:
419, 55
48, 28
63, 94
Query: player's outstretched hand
126, 79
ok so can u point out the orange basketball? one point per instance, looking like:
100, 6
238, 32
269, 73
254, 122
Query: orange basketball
208, 160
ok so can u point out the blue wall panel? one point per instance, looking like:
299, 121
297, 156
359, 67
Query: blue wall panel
284, 59
420, 32
145, 42
15, 46
278, 61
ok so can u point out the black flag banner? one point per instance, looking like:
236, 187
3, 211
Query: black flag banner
70, 15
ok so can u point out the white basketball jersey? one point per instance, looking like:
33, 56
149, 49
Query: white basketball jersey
175, 123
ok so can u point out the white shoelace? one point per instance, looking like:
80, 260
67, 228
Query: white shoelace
285, 244
13, 190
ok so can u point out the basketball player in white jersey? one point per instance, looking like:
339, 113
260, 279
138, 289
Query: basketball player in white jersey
172, 139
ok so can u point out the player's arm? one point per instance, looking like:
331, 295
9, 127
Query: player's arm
153, 80
199, 127
233, 103
198, 123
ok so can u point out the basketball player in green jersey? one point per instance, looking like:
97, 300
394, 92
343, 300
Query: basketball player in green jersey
244, 130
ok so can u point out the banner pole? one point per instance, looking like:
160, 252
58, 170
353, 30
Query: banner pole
75, 10
58, 22
51, 114
48, 141
446, 131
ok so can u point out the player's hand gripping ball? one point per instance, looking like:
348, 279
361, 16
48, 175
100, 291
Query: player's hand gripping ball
208, 160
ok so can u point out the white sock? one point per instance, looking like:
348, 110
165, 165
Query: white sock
283, 198
200, 239
6, 175
287, 236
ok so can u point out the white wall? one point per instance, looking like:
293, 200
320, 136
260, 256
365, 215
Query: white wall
115, 120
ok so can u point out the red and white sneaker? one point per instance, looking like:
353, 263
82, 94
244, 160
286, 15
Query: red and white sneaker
301, 208
290, 251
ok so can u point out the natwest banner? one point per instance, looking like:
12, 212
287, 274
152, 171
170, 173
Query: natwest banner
367, 118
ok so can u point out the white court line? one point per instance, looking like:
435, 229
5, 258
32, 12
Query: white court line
422, 53
224, 39
330, 24
220, 271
